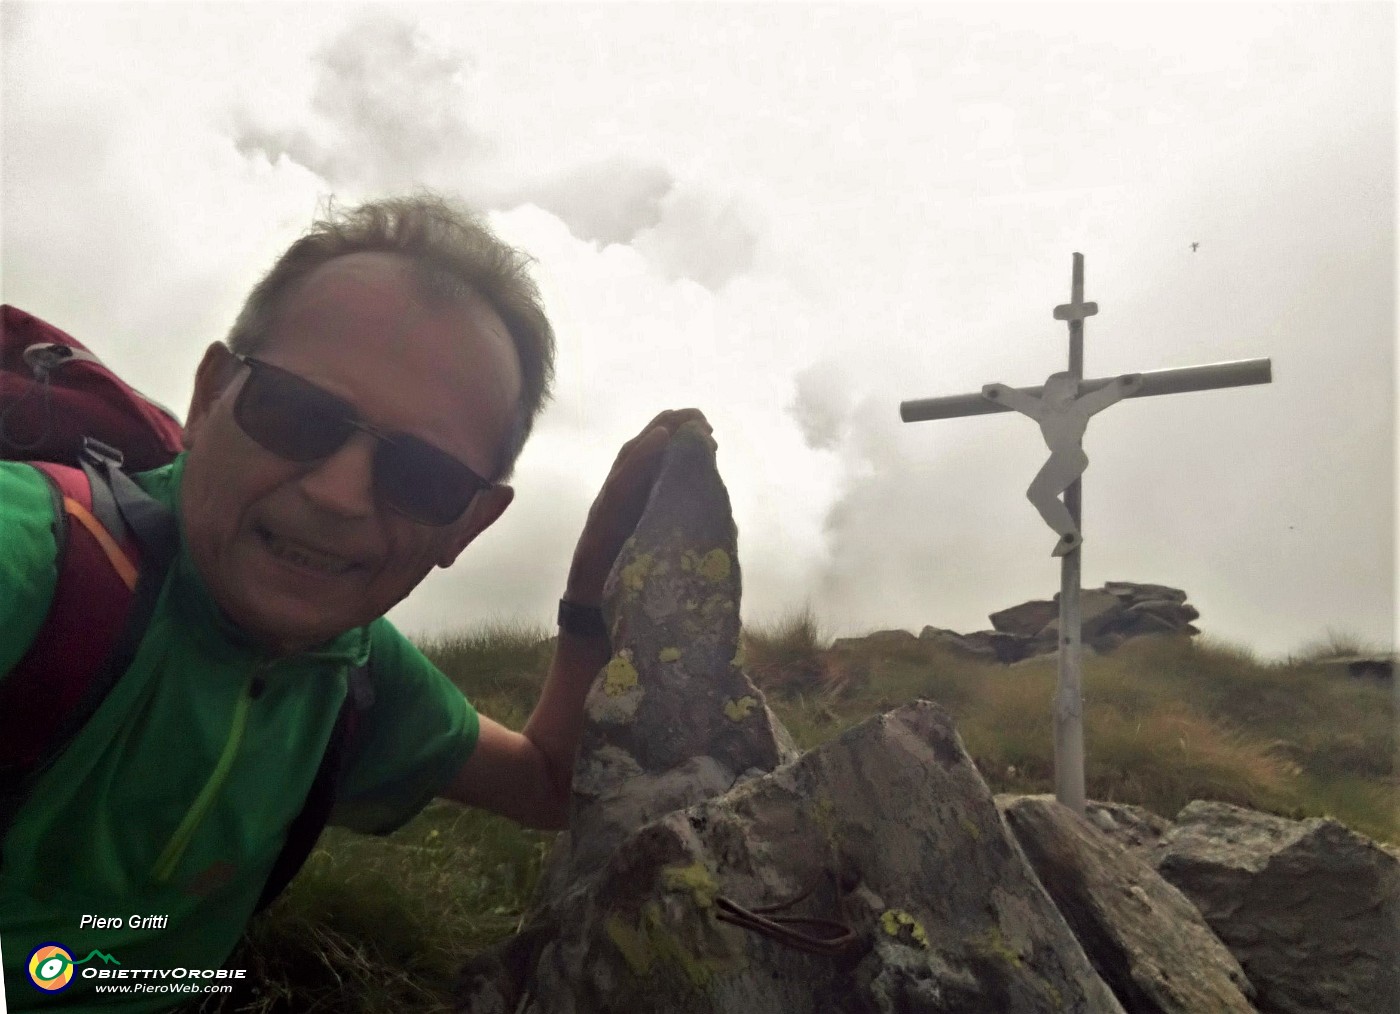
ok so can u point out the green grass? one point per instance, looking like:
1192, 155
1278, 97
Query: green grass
380, 925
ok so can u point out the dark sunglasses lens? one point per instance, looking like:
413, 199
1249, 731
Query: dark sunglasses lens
423, 483
289, 417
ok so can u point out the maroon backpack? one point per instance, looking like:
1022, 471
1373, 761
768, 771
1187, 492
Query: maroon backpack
68, 415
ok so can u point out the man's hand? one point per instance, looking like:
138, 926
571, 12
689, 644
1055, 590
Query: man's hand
619, 504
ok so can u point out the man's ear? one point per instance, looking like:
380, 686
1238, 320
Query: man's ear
489, 505
214, 373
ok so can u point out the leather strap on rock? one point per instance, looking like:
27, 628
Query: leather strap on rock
831, 938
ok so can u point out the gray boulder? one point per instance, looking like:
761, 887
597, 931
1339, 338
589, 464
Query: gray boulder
910, 897
1098, 612
1309, 908
988, 645
1135, 828
959, 643
1158, 616
1027, 619
1147, 941
1131, 592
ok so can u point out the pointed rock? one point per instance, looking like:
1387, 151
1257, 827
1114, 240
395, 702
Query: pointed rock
673, 718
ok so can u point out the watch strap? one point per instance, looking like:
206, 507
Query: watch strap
582, 621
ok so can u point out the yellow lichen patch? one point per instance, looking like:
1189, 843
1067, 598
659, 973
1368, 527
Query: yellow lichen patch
993, 945
715, 566
695, 878
653, 943
712, 566
901, 925
972, 829
717, 604
631, 942
738, 660
634, 575
620, 675
669, 654
824, 816
739, 708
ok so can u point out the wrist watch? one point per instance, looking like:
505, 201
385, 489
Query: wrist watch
582, 621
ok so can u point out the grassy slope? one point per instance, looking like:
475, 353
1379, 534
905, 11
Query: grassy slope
382, 924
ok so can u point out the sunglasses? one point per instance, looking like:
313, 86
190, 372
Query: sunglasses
298, 421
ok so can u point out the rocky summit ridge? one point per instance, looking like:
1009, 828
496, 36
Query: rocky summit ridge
710, 867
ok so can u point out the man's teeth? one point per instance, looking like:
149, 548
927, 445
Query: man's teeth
304, 556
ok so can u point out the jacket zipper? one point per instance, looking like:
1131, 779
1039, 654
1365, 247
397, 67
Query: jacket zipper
175, 848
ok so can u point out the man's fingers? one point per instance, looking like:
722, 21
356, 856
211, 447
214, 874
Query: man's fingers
668, 422
636, 472
620, 503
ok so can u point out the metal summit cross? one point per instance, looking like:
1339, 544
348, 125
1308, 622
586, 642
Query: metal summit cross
1062, 408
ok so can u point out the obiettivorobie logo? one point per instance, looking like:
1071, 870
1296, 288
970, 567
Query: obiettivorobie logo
51, 966
51, 969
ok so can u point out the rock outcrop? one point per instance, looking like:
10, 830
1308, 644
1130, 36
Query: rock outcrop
910, 897
709, 869
1310, 908
1109, 615
1133, 827
1147, 941
692, 818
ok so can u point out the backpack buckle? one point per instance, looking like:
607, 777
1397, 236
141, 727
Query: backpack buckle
44, 357
95, 452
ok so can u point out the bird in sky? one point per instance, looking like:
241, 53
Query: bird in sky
1193, 247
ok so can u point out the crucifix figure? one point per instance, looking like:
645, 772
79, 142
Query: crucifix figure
1063, 407
1063, 415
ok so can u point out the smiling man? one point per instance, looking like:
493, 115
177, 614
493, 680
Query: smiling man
355, 432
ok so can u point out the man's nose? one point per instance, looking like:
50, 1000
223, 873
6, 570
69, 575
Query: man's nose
343, 484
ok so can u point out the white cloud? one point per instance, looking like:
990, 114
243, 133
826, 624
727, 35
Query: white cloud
390, 109
721, 220
608, 201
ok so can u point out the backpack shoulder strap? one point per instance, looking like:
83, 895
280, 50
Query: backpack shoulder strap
109, 577
97, 575
306, 826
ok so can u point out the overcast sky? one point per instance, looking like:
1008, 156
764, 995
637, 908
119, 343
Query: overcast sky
795, 217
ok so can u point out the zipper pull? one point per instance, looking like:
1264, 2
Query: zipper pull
256, 687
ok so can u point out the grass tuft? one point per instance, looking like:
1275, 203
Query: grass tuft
786, 656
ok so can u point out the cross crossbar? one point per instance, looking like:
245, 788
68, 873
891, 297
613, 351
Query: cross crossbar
1237, 373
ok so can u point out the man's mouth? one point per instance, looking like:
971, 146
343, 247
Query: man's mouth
299, 554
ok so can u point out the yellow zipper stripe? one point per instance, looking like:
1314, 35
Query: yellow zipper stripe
199, 809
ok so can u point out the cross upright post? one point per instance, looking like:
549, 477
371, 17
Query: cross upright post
1062, 407
1069, 694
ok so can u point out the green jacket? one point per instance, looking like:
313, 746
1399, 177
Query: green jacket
167, 810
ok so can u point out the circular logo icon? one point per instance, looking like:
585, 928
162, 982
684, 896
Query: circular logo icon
51, 968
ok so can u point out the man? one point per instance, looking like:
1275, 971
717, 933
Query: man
355, 432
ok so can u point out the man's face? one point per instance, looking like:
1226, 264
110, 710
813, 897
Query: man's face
298, 553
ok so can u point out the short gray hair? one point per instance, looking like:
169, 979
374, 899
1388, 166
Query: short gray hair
455, 256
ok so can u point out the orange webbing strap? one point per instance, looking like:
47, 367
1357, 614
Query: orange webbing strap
121, 563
